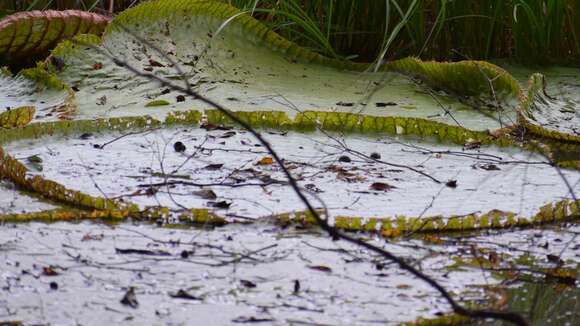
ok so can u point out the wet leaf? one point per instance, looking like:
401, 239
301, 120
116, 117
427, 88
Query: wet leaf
182, 294
220, 204
296, 286
451, 183
555, 259
130, 299
343, 174
102, 100
251, 320
472, 144
154, 63
211, 126
85, 136
384, 104
489, 167
34, 159
313, 188
205, 194
381, 186
214, 167
228, 134
348, 104
248, 284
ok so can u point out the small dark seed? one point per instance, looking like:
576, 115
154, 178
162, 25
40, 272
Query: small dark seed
180, 98
179, 147
344, 159
53, 286
375, 156
451, 183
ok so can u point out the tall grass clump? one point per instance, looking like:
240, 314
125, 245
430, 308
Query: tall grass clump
529, 31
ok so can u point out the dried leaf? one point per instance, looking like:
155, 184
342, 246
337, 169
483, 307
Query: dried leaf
49, 271
93, 237
267, 160
321, 268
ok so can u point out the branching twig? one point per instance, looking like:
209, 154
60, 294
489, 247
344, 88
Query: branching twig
334, 233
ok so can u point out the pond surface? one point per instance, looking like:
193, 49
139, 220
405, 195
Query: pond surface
78, 273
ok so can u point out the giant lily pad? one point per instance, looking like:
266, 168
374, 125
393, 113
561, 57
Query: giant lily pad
552, 108
29, 34
246, 67
269, 82
49, 103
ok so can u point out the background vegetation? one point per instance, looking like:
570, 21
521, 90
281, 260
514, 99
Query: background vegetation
528, 31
